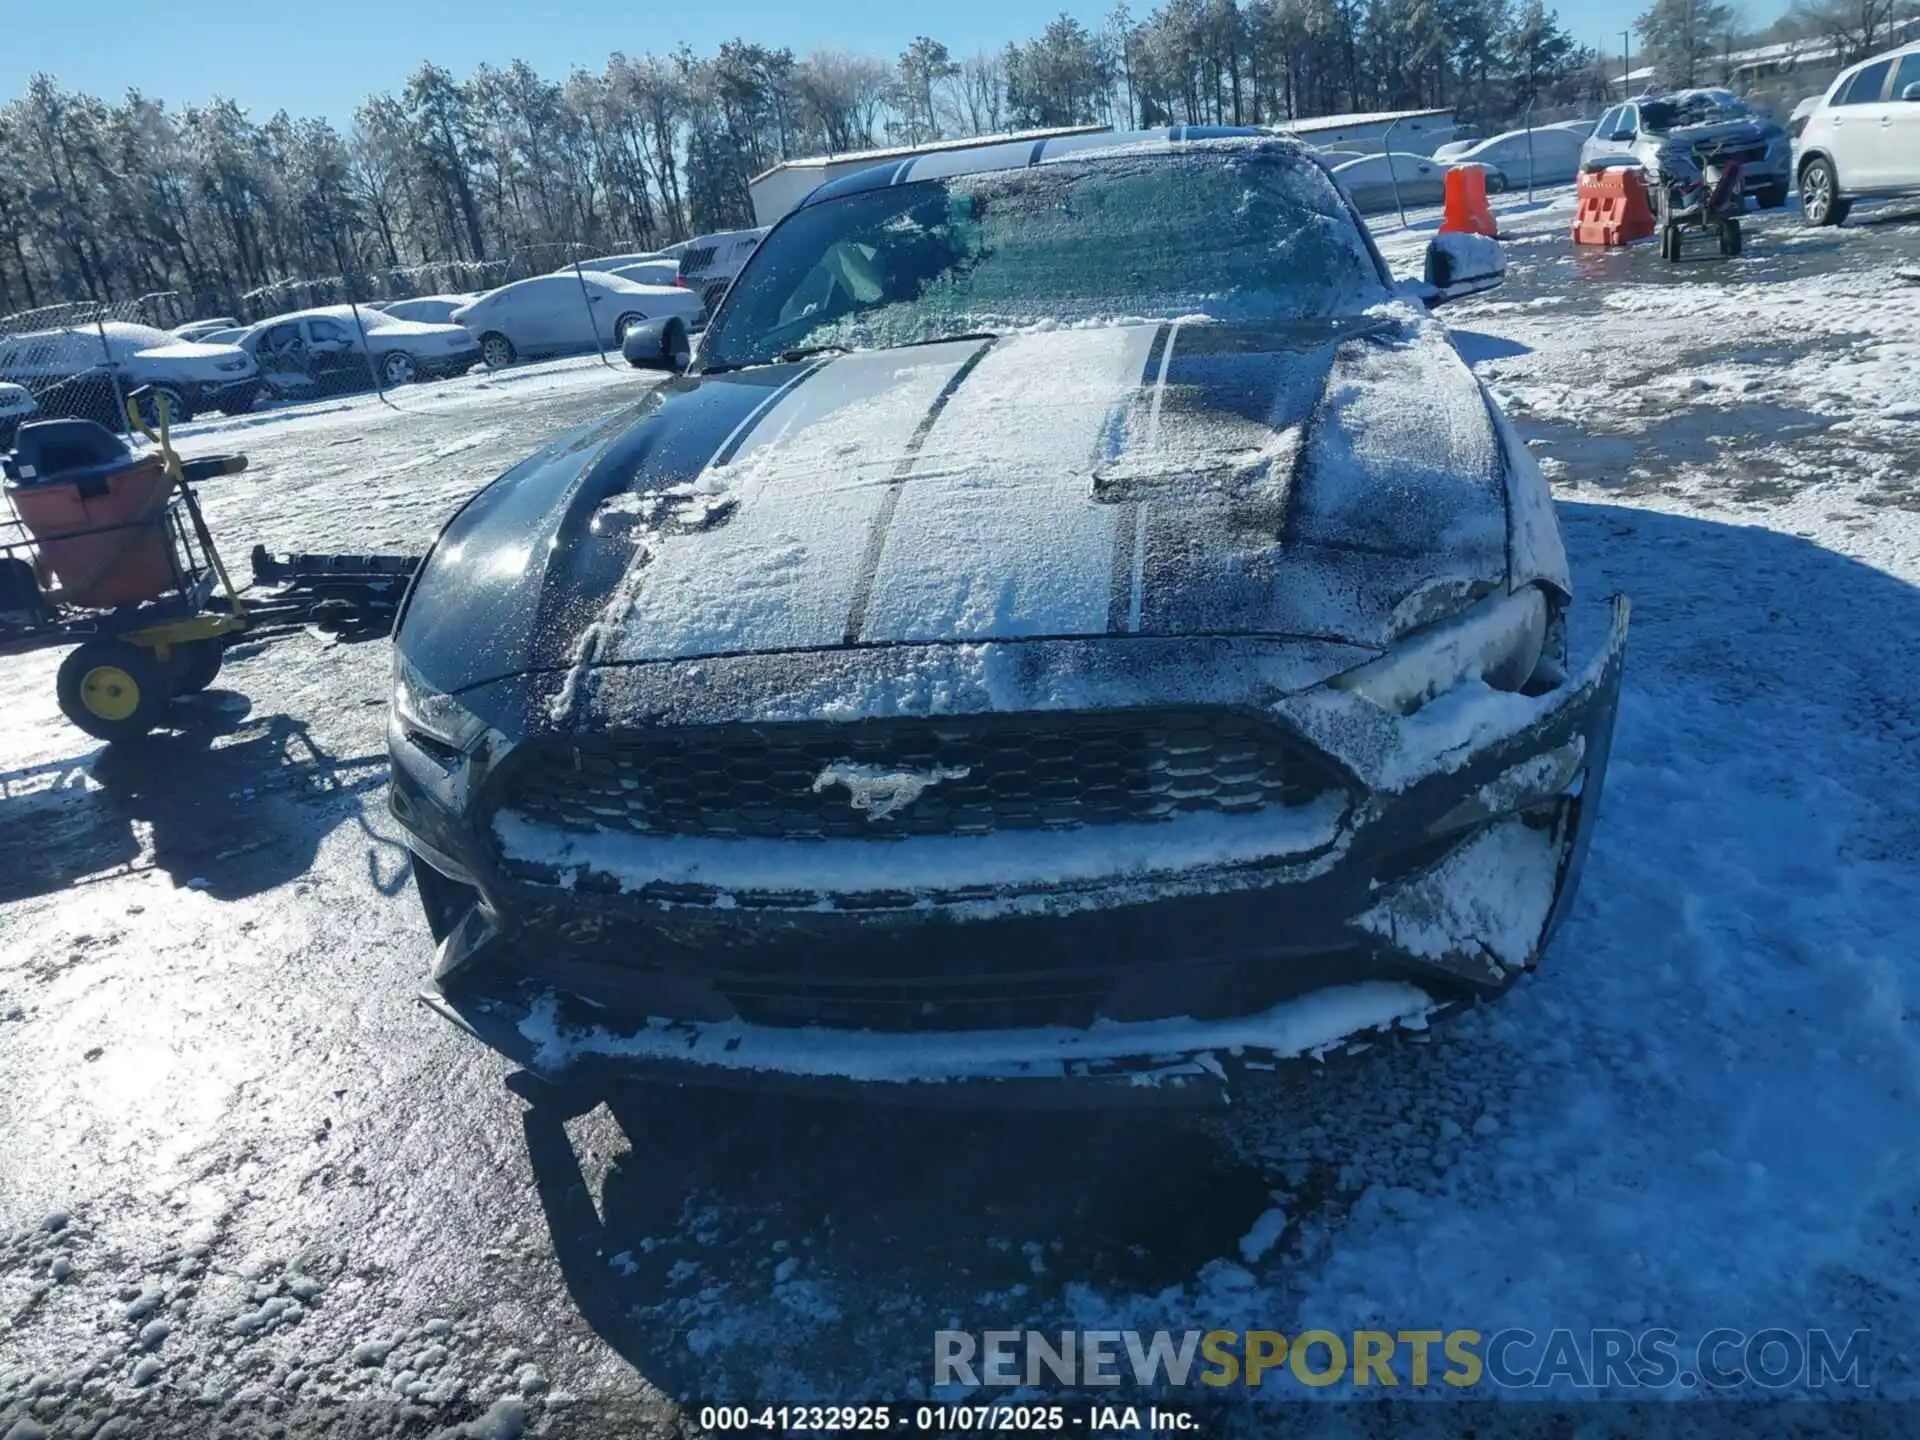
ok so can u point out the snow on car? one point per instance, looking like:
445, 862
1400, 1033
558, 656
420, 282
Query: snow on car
204, 329
85, 370
1691, 124
611, 264
332, 349
427, 309
1076, 622
650, 272
1518, 158
567, 313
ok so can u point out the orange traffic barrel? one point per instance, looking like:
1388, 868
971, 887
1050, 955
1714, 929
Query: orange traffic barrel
1467, 211
96, 511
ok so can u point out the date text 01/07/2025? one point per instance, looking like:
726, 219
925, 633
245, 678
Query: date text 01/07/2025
947, 1419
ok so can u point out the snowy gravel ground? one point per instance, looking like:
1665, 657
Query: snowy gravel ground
246, 1180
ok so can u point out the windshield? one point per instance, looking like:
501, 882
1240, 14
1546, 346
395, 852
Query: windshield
1239, 233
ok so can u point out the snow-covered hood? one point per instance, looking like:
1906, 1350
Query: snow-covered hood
1746, 131
191, 360
1340, 481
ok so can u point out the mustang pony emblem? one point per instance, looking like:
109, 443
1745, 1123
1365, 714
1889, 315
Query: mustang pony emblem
880, 791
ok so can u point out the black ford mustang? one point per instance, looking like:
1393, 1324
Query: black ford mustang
1075, 619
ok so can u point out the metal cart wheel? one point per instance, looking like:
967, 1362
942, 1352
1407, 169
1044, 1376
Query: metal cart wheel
195, 664
113, 690
1730, 236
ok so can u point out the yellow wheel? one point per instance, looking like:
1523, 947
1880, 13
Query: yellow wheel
113, 690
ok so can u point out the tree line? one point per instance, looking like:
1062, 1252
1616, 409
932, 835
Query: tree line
459, 182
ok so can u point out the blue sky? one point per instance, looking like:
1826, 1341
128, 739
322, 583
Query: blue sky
322, 58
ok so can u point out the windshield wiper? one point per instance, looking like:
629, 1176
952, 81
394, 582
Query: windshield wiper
807, 352
945, 339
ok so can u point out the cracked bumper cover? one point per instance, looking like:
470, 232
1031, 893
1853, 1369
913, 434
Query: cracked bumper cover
1440, 884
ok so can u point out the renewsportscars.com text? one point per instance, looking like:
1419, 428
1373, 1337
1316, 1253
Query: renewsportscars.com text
1602, 1359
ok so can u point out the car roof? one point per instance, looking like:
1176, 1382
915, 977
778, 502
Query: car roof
322, 312
1023, 154
120, 329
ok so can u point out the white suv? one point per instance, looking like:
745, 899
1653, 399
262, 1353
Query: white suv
1863, 138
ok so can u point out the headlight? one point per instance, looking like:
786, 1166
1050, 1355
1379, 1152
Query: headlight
434, 720
1498, 641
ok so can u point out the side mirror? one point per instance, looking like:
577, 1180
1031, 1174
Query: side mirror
1461, 264
658, 345
1620, 136
1911, 92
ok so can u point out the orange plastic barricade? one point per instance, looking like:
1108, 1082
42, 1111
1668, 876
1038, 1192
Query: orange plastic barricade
1467, 209
1613, 207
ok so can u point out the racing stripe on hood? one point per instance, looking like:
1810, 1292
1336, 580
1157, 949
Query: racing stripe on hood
1130, 532
808, 482
883, 522
994, 533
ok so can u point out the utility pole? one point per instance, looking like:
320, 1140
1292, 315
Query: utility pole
1626, 62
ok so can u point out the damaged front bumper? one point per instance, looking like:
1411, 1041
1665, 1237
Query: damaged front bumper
1437, 884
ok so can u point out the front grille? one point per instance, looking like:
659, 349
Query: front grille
998, 773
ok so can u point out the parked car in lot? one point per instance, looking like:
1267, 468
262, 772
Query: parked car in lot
610, 263
317, 352
1692, 123
1380, 182
1516, 159
945, 683
709, 263
203, 329
1464, 138
427, 309
73, 371
1802, 112
1863, 138
568, 313
16, 405
650, 272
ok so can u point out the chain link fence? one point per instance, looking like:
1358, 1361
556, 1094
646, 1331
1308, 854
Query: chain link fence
301, 338
81, 361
